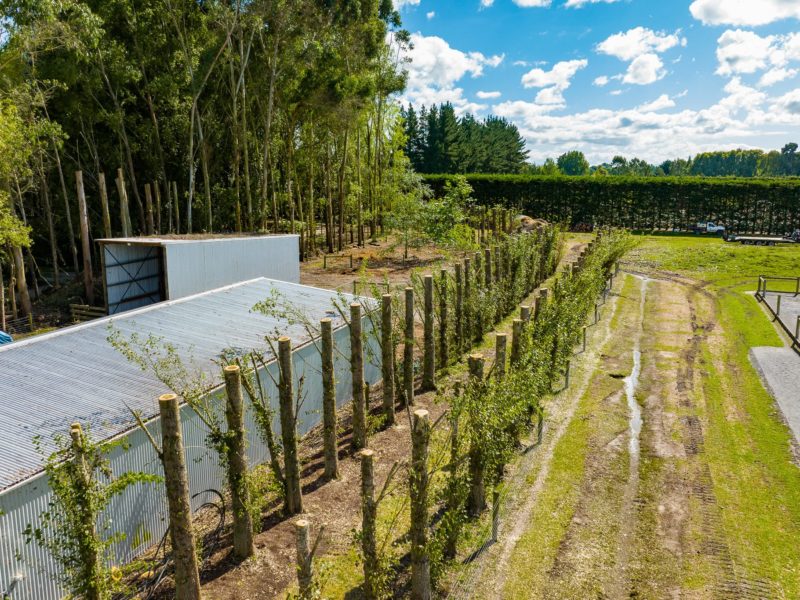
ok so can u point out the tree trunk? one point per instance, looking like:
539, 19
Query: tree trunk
50, 226
369, 513
22, 284
408, 349
70, 230
88, 546
357, 371
293, 503
429, 347
237, 465
148, 203
418, 482
387, 358
124, 212
176, 481
329, 402
304, 559
101, 181
86, 244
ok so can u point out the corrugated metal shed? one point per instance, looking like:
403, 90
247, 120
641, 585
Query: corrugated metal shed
141, 271
74, 374
50, 381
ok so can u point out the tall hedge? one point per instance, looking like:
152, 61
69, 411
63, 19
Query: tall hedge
744, 205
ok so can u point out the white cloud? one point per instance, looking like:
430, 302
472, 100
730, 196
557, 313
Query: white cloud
435, 68
533, 3
744, 12
644, 70
660, 103
488, 95
615, 92
554, 81
430, 15
487, 3
776, 75
579, 3
743, 117
601, 81
741, 51
398, 4
635, 42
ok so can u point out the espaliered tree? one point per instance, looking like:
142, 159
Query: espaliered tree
73, 528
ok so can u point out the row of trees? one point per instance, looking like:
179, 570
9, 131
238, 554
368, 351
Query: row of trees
224, 116
730, 163
438, 141
744, 205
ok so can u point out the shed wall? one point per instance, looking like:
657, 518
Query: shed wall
196, 267
141, 512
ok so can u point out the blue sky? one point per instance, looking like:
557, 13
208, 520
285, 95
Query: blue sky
655, 79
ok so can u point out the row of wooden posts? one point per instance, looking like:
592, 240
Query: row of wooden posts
172, 452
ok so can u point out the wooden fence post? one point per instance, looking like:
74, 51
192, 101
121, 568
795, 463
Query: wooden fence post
124, 209
177, 207
429, 345
525, 313
418, 482
541, 301
478, 329
500, 345
157, 192
459, 321
357, 371
369, 513
444, 351
86, 243
487, 267
408, 349
466, 339
148, 203
101, 183
387, 358
176, 481
293, 503
237, 465
477, 495
329, 402
516, 341
304, 558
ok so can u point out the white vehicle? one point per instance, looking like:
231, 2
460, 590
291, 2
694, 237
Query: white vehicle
709, 227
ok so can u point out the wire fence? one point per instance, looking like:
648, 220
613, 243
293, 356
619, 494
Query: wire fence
502, 506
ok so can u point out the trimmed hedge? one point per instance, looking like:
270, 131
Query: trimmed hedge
744, 205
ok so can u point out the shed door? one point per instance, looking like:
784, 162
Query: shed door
134, 276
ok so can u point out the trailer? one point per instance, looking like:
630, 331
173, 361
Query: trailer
764, 240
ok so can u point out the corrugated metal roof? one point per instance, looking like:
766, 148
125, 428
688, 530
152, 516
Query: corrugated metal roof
75, 374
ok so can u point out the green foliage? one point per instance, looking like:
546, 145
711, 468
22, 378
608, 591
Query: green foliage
573, 163
440, 142
73, 528
742, 205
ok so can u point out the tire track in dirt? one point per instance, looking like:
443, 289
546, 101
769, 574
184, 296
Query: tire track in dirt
729, 581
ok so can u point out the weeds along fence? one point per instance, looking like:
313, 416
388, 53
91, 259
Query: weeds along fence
745, 205
492, 409
771, 291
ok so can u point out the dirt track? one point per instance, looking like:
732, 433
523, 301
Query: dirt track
610, 532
